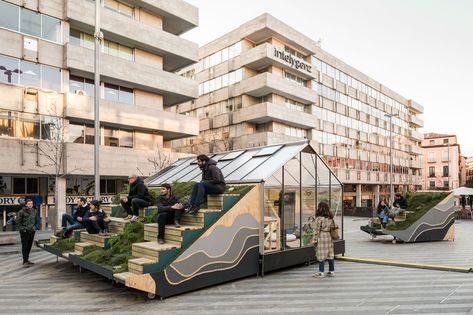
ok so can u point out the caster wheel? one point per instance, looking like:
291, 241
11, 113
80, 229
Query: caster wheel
150, 296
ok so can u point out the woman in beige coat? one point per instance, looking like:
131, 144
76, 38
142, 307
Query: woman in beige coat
323, 240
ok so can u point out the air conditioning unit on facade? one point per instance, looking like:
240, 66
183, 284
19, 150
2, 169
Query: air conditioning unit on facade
80, 92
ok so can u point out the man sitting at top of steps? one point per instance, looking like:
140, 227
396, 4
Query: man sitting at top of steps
169, 210
138, 197
76, 219
212, 183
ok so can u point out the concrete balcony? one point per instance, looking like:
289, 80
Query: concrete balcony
266, 54
266, 83
416, 121
114, 161
178, 16
177, 52
169, 125
174, 88
415, 135
415, 164
414, 149
415, 107
266, 112
261, 139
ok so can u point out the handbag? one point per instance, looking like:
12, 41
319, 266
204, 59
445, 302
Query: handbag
334, 231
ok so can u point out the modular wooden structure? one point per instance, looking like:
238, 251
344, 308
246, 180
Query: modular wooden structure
436, 224
237, 236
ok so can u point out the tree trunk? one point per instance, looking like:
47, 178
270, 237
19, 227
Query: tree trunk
59, 201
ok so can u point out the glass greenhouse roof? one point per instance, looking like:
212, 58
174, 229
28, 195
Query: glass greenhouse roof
252, 165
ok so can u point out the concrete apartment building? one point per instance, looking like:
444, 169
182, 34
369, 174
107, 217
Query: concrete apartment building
469, 171
266, 83
47, 89
443, 163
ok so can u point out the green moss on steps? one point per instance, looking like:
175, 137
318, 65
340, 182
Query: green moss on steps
418, 204
65, 245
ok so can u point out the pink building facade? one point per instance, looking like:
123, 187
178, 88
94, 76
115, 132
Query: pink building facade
441, 154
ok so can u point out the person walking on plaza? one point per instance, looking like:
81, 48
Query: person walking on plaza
26, 223
323, 240
212, 183
138, 197
169, 210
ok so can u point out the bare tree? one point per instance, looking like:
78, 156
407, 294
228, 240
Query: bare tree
158, 162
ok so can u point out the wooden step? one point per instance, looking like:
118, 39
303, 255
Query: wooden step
107, 209
116, 225
150, 250
136, 265
122, 276
53, 239
215, 202
79, 247
101, 241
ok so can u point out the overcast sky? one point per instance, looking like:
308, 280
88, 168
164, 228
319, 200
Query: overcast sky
422, 49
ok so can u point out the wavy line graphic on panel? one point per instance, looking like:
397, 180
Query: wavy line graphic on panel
217, 243
222, 249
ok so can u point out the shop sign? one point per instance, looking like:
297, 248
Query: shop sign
18, 200
295, 62
72, 200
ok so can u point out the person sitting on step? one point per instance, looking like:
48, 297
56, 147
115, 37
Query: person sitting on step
169, 210
399, 205
383, 213
212, 183
76, 220
95, 223
138, 197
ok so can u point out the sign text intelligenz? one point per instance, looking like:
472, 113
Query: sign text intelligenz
293, 61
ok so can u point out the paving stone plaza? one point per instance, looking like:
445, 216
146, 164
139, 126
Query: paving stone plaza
49, 287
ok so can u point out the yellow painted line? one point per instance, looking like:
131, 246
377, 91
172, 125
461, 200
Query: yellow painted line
404, 264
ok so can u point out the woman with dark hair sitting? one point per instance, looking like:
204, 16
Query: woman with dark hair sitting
323, 239
383, 213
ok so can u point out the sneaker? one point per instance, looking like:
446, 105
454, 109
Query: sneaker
177, 223
134, 218
331, 274
161, 240
26, 265
30, 262
318, 275
193, 210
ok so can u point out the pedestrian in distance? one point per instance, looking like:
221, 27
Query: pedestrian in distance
323, 239
212, 183
26, 223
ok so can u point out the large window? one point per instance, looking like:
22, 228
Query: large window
81, 85
29, 126
119, 7
220, 82
431, 171
293, 78
220, 56
29, 22
111, 92
29, 74
25, 185
85, 40
445, 171
112, 137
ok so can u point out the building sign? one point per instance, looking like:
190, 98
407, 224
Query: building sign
295, 62
72, 200
18, 200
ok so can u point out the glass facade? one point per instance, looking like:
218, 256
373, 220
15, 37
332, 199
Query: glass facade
29, 126
111, 48
29, 22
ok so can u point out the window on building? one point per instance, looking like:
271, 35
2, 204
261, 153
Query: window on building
445, 141
119, 7
9, 16
30, 74
431, 157
23, 185
50, 127
117, 93
30, 22
293, 78
431, 142
431, 171
112, 48
445, 155
81, 85
76, 133
126, 138
431, 184
51, 28
50, 78
446, 184
445, 171
11, 68
89, 135
110, 137
108, 186
28, 126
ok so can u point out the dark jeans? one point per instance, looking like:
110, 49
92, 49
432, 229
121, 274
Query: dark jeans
94, 227
167, 217
27, 238
73, 224
331, 265
201, 189
132, 207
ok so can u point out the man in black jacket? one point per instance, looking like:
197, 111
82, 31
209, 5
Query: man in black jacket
169, 210
138, 197
212, 183
76, 219
26, 223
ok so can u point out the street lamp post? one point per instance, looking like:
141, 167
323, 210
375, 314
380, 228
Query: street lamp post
98, 37
391, 188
